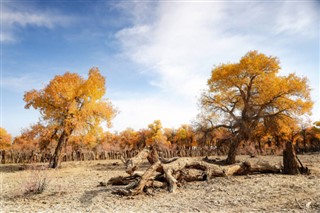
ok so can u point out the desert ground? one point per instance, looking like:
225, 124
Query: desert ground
75, 188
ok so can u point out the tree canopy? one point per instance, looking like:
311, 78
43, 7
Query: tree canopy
72, 105
242, 95
5, 139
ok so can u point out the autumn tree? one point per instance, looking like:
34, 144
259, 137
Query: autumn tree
170, 134
109, 141
5, 139
156, 136
142, 138
37, 137
204, 132
313, 136
129, 139
242, 95
73, 105
259, 136
184, 137
86, 141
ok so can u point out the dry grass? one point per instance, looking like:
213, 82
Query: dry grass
74, 188
36, 180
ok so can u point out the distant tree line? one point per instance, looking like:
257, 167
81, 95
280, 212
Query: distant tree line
37, 139
248, 108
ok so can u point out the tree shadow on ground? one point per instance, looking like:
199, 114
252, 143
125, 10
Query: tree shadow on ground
11, 168
88, 196
116, 166
108, 166
216, 161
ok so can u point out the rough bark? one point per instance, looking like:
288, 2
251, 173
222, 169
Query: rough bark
175, 172
264, 167
146, 177
137, 187
132, 163
170, 179
170, 160
240, 169
123, 180
292, 164
55, 161
3, 156
153, 156
231, 159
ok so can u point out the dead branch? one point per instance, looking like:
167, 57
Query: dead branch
132, 163
171, 173
170, 160
123, 180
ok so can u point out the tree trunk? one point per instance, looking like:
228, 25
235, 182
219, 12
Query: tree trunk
260, 147
231, 159
3, 156
304, 140
55, 161
291, 165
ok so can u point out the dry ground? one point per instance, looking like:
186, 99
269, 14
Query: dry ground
73, 188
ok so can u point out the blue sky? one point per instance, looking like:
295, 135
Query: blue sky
156, 55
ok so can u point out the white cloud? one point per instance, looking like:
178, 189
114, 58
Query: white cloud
140, 111
170, 46
20, 84
181, 41
6, 37
298, 18
15, 16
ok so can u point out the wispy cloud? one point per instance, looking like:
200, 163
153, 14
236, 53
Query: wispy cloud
137, 112
298, 18
18, 16
180, 42
170, 45
21, 83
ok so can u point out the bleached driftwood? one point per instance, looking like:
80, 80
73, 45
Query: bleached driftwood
171, 173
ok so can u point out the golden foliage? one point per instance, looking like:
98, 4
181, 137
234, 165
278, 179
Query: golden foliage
5, 139
185, 136
242, 95
72, 103
155, 135
37, 137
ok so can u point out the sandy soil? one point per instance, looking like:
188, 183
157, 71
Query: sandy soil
74, 188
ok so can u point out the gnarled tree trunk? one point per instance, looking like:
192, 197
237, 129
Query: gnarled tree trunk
292, 164
55, 161
231, 159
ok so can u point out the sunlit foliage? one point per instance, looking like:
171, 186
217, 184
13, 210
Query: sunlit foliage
5, 139
155, 135
184, 137
242, 95
35, 138
72, 104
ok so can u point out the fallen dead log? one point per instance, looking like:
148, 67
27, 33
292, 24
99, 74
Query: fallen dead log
132, 163
172, 173
137, 187
170, 160
264, 167
150, 153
